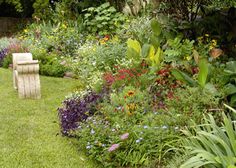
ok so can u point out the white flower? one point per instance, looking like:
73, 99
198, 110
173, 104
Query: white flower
92, 131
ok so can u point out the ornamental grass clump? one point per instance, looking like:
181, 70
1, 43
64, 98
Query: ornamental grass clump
212, 145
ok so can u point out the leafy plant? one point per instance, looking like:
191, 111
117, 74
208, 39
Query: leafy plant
201, 100
230, 82
202, 75
212, 145
103, 19
178, 50
75, 109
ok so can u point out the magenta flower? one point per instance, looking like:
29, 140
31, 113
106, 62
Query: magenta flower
124, 136
113, 147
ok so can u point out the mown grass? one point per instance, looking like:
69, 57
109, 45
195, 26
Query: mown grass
29, 128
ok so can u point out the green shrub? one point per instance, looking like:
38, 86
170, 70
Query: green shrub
53, 68
7, 61
103, 19
229, 80
192, 103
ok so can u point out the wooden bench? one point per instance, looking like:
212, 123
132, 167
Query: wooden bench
26, 75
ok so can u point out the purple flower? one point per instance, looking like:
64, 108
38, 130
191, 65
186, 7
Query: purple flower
113, 147
124, 136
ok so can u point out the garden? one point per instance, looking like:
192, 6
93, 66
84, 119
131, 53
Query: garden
129, 83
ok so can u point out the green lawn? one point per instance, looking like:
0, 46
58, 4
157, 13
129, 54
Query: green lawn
29, 128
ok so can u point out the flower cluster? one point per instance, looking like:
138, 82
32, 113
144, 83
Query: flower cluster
164, 87
124, 75
77, 109
3, 54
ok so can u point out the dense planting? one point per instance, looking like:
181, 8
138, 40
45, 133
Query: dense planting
148, 83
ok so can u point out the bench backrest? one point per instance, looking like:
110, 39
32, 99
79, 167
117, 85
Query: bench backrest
16, 57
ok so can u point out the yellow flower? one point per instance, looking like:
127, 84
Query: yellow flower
25, 30
130, 93
131, 107
105, 38
21, 37
200, 39
64, 26
214, 42
211, 47
207, 35
188, 58
102, 42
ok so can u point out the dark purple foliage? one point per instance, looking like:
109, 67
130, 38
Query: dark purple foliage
3, 54
78, 109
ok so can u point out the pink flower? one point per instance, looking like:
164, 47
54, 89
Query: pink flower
113, 147
124, 136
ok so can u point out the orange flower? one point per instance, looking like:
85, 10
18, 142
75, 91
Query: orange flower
130, 93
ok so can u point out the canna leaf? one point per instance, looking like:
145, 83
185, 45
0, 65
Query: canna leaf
145, 50
156, 27
134, 49
183, 77
203, 72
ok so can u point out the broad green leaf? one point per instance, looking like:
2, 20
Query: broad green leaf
203, 72
231, 68
134, 44
134, 49
156, 27
233, 100
105, 5
158, 56
210, 88
155, 41
145, 50
183, 77
230, 89
87, 15
196, 56
151, 54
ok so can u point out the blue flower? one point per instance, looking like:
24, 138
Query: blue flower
145, 126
